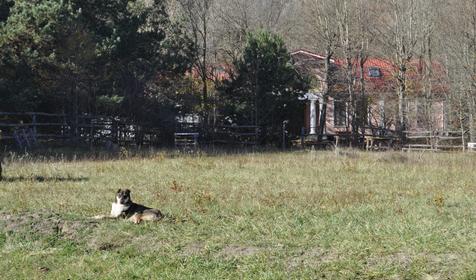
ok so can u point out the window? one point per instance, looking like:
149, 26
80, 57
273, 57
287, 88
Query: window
374, 72
340, 113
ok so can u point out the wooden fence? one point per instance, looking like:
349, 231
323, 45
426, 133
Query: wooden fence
26, 130
193, 136
29, 128
245, 135
434, 140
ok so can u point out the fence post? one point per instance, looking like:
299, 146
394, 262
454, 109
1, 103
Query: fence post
76, 127
285, 123
17, 139
34, 124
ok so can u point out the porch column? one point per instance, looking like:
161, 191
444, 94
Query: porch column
313, 116
313, 98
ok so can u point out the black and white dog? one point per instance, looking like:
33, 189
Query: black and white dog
123, 207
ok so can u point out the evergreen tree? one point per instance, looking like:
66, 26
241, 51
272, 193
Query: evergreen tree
265, 88
90, 56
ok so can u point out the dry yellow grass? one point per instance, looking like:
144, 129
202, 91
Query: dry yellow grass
303, 215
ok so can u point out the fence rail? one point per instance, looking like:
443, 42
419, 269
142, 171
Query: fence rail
435, 140
236, 135
27, 129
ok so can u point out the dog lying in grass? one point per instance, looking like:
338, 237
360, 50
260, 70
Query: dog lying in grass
125, 208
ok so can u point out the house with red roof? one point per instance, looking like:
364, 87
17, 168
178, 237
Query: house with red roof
425, 107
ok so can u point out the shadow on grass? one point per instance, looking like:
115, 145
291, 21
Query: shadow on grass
43, 179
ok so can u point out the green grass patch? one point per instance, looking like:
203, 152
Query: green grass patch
301, 215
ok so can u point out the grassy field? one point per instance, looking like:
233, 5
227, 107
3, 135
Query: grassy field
302, 215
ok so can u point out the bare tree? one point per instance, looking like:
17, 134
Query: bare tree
469, 63
346, 22
238, 17
365, 38
198, 14
457, 36
399, 34
321, 16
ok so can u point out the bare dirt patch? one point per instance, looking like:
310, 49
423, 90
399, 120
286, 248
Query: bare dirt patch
194, 249
238, 251
404, 260
43, 224
438, 266
448, 258
35, 223
312, 257
400, 259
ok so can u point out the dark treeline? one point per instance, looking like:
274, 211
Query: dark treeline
145, 60
151, 60
99, 57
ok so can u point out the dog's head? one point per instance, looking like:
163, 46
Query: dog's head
123, 196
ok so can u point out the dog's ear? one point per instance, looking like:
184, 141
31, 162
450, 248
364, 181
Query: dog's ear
128, 192
119, 190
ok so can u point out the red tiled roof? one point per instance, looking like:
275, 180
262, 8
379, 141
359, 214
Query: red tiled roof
386, 82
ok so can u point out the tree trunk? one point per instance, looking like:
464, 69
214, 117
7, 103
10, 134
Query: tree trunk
461, 121
352, 110
74, 94
325, 97
205, 72
471, 117
362, 110
401, 121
